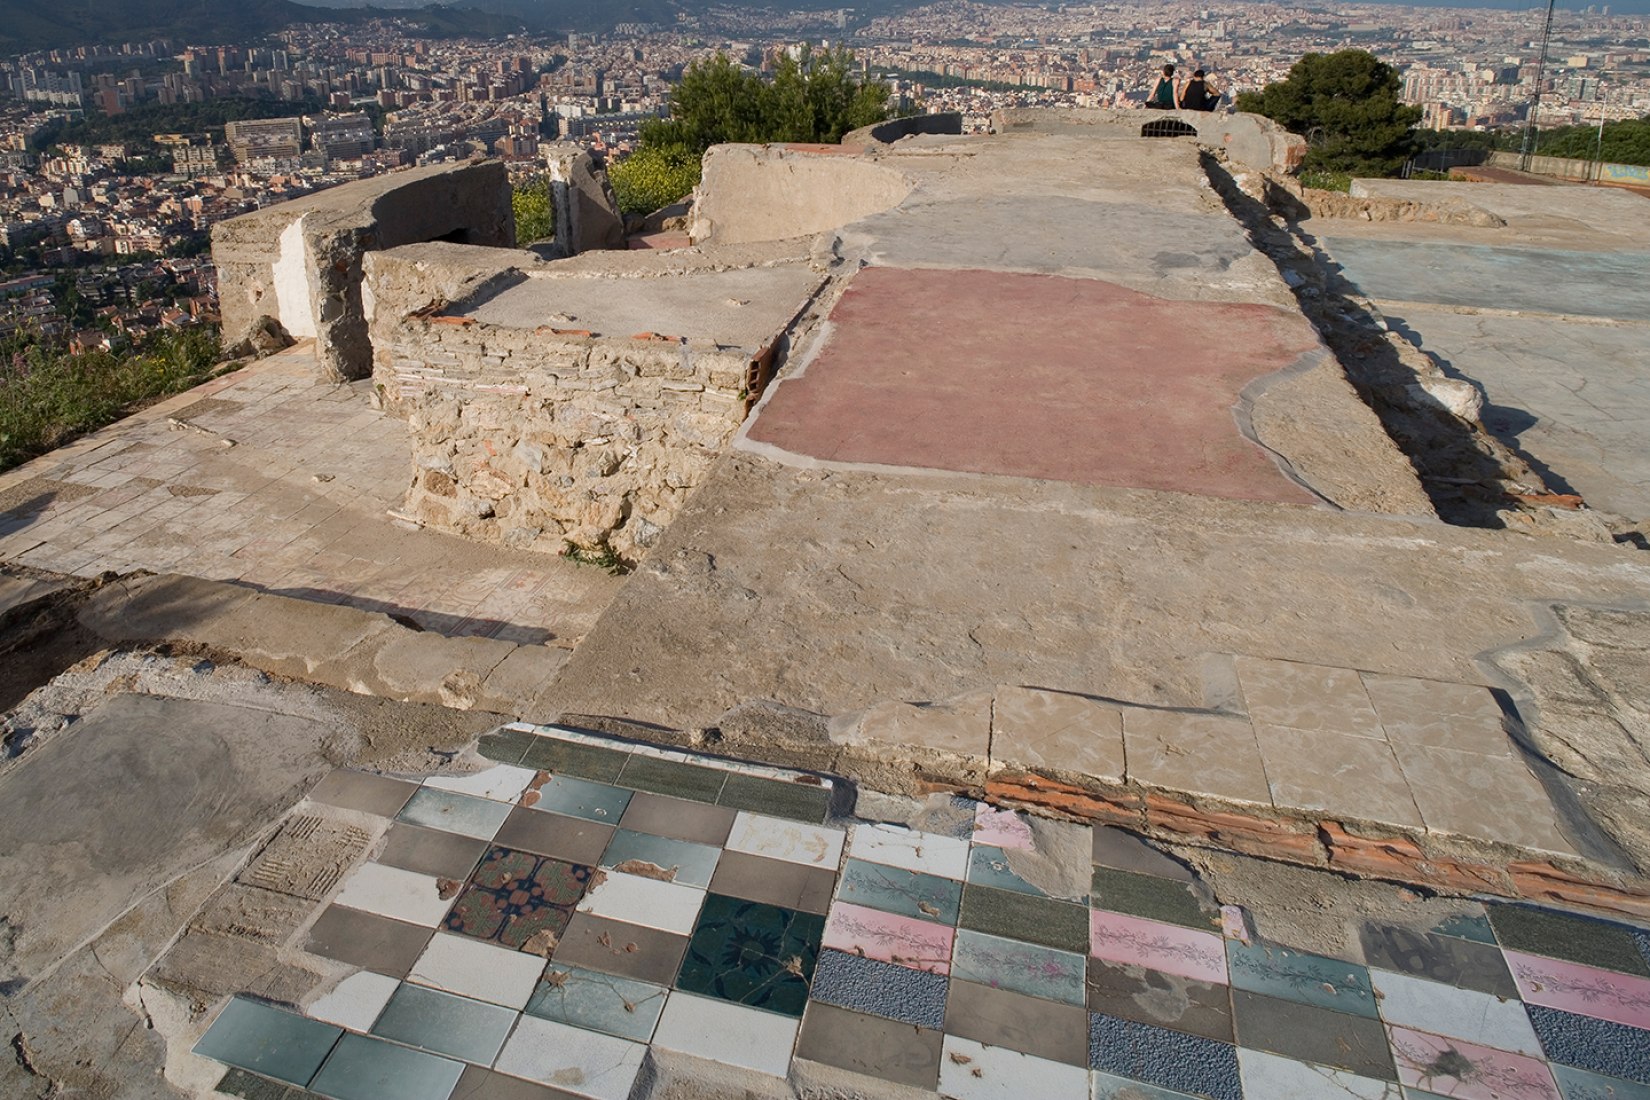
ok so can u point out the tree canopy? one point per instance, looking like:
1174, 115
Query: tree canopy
1346, 106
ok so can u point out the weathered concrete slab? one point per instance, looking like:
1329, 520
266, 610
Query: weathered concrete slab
1613, 215
17, 591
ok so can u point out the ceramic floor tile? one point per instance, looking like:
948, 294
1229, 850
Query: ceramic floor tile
1168, 1059
1002, 828
1438, 958
600, 1002
989, 865
628, 950
353, 790
582, 798
431, 851
1357, 1044
667, 906
870, 1045
456, 813
1030, 1025
1022, 967
363, 939
566, 758
800, 801
1468, 1071
1599, 1046
895, 846
1142, 895
669, 777
354, 1002
506, 745
1458, 1013
721, 1031
480, 970
445, 1024
1202, 753
920, 944
1059, 924
1171, 948
484, 1084
254, 1036
1577, 939
788, 885
660, 857
1583, 990
1279, 1078
571, 839
1165, 1000
249, 1086
754, 954
392, 892
519, 900
679, 819
1473, 925
1108, 1086
1300, 976
501, 783
1355, 776
584, 1063
369, 1069
1510, 804
916, 997
790, 841
1578, 1084
974, 1071
1307, 697
895, 890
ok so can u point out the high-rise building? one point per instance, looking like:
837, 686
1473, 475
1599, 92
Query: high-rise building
264, 137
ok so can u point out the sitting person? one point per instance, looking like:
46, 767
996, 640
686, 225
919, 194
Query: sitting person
1197, 94
1163, 97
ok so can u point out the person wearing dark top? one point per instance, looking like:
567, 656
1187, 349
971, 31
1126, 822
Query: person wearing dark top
1163, 95
1197, 95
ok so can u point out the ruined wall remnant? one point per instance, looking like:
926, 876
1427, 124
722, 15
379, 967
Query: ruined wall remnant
1253, 141
772, 193
300, 262
586, 214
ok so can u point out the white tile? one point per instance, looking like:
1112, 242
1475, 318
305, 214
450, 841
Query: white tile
791, 841
719, 1031
572, 1059
1481, 1018
471, 968
503, 783
669, 906
972, 1071
897, 846
1278, 1078
354, 1002
393, 892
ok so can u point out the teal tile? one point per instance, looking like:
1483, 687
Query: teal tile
507, 746
253, 1036
456, 813
1578, 1084
988, 866
363, 1068
798, 801
1300, 977
892, 890
753, 954
1021, 967
649, 773
582, 798
1467, 926
445, 1024
249, 1086
1062, 925
1151, 897
598, 1002
693, 864
1108, 1087
558, 757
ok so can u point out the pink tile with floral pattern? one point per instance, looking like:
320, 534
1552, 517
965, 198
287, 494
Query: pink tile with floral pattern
1584, 990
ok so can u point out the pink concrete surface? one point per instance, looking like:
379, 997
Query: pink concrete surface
1039, 376
1137, 941
888, 937
1585, 990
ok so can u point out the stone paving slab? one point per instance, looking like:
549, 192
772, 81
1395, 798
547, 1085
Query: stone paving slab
1155, 994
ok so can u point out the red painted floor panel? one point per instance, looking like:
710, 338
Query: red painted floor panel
1039, 376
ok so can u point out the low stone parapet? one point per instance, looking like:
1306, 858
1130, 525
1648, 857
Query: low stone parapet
1251, 140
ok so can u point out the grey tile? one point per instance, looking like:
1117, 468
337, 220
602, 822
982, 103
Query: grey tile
454, 813
774, 881
367, 940
1014, 916
431, 851
598, 1002
798, 801
507, 746
353, 790
1152, 897
1563, 936
895, 890
614, 947
560, 757
1173, 1060
679, 819
1309, 1034
871, 1045
599, 802
685, 862
1163, 1000
445, 1024
1300, 976
269, 1041
1121, 850
649, 773
551, 834
370, 1069
1030, 1025
1438, 958
484, 1084
915, 997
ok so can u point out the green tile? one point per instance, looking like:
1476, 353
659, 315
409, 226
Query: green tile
799, 801
1016, 916
445, 1024
752, 954
649, 773
254, 1036
598, 1002
1149, 896
558, 757
1561, 936
893, 890
581, 798
362, 1068
249, 1086
505, 745
694, 864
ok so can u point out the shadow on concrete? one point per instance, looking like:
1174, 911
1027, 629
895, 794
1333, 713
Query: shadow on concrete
419, 618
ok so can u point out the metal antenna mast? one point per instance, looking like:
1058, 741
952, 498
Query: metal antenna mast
1528, 149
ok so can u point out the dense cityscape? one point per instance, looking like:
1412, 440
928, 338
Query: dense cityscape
104, 220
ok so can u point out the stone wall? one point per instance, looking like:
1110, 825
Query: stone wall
773, 192
886, 133
1251, 140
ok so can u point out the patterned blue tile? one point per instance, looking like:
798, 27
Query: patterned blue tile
582, 798
1578, 1084
1023, 967
893, 890
916, 997
1602, 1047
988, 866
363, 1068
1301, 977
1169, 1059
253, 1036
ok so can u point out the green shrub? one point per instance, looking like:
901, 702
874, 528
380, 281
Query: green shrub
653, 176
530, 200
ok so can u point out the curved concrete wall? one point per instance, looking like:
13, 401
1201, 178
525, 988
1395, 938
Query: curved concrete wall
773, 192
1252, 140
886, 133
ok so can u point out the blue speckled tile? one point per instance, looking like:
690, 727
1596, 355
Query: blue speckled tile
445, 1023
1599, 1046
894, 890
251, 1035
988, 866
916, 997
362, 1068
1299, 976
1578, 1084
690, 864
582, 798
1023, 967
598, 1002
1169, 1059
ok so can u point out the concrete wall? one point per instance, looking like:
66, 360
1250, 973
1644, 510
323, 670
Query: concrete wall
300, 262
1250, 140
771, 192
886, 133
1569, 168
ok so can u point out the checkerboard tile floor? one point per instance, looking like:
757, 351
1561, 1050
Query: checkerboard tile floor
531, 930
